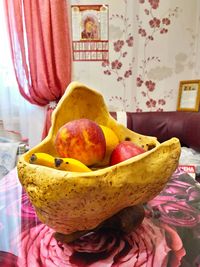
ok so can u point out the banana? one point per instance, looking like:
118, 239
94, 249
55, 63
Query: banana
64, 164
42, 159
72, 165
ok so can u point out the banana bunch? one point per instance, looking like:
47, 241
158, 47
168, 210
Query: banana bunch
64, 164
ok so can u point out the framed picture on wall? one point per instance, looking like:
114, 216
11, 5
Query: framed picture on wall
90, 39
189, 95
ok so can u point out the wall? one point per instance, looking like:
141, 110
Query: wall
156, 45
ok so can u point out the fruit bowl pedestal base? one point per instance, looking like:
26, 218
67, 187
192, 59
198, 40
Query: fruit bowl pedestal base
125, 221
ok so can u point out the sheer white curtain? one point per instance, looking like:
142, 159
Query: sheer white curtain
16, 113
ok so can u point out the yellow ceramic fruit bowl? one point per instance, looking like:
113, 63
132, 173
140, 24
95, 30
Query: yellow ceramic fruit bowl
77, 201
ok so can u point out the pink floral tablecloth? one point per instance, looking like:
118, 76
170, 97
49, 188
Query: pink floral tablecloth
168, 236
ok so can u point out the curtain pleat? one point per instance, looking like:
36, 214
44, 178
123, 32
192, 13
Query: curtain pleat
40, 44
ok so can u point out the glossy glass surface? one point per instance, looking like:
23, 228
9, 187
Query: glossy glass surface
168, 236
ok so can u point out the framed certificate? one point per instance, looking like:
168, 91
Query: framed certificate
189, 95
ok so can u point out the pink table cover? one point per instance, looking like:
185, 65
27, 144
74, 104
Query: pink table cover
169, 235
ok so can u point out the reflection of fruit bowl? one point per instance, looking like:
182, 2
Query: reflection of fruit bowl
72, 201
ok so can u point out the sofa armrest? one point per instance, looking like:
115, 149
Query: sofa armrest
165, 125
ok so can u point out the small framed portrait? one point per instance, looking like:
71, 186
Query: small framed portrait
189, 95
90, 35
90, 28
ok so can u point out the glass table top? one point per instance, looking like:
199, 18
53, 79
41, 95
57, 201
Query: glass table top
168, 236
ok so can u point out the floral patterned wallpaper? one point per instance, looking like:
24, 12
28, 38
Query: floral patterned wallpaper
153, 44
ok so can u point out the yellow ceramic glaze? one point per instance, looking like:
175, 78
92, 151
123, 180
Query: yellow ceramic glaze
74, 201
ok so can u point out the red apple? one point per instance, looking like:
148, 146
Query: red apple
125, 150
81, 139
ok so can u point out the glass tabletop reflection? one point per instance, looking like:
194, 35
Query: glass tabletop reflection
168, 236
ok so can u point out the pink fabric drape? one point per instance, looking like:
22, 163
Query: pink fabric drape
40, 41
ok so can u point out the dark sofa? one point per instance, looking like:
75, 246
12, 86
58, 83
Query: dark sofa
164, 125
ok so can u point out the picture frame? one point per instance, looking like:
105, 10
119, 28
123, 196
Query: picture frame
189, 95
90, 32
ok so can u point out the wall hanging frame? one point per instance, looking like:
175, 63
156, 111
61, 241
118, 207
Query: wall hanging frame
90, 32
189, 95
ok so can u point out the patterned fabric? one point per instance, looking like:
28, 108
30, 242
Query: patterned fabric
169, 236
8, 153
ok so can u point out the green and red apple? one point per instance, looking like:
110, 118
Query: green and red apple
125, 150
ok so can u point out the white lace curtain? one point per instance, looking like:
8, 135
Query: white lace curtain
16, 113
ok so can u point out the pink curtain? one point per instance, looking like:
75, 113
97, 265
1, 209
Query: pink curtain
40, 42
